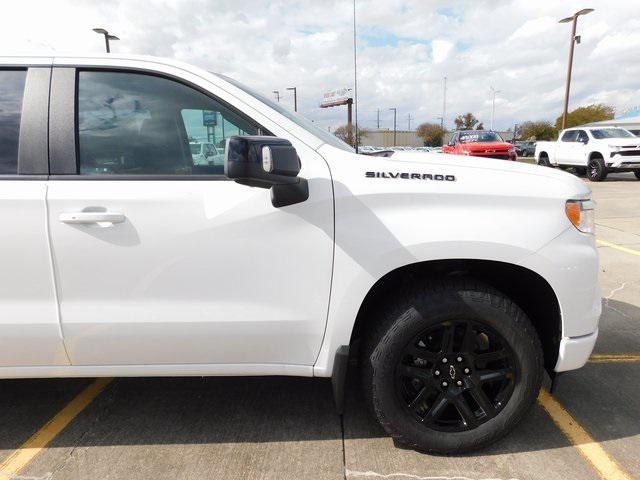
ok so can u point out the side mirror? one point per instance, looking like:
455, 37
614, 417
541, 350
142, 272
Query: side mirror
584, 140
266, 162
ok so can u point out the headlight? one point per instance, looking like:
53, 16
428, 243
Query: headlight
615, 148
466, 152
582, 214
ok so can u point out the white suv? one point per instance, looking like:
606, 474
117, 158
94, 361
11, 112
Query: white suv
455, 281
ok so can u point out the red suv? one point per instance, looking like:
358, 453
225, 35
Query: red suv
480, 143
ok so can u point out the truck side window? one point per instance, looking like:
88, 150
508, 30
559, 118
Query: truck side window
570, 136
137, 124
11, 93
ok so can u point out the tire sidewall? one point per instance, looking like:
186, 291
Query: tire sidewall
597, 164
477, 306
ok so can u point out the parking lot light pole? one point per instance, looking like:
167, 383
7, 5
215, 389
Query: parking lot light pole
277, 92
107, 37
493, 105
295, 98
574, 21
395, 111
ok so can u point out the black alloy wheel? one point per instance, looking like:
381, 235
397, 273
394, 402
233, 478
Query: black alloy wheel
455, 376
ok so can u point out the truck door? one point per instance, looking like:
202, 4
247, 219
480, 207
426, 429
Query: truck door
29, 327
162, 261
565, 148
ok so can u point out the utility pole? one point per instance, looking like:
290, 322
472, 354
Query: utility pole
395, 111
441, 122
107, 37
378, 121
277, 95
295, 98
444, 102
409, 121
355, 71
493, 105
574, 40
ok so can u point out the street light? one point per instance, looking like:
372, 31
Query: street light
493, 105
107, 37
395, 111
277, 95
295, 98
574, 39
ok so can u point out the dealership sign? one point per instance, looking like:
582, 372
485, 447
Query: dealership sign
333, 98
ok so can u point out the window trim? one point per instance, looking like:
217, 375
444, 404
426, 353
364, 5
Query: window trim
32, 162
65, 157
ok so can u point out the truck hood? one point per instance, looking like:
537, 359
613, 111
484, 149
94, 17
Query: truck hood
621, 142
421, 172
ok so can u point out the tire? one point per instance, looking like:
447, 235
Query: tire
459, 307
543, 160
637, 174
596, 169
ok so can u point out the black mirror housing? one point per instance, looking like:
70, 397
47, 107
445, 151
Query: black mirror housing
266, 162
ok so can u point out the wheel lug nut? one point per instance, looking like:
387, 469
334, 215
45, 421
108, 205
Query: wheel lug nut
459, 383
444, 384
436, 373
444, 360
466, 370
459, 359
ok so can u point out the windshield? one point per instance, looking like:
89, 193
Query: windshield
601, 133
293, 116
195, 148
473, 137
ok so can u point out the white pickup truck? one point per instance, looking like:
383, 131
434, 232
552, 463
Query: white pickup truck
594, 151
455, 281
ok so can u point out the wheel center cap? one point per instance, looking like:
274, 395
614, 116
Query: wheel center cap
452, 372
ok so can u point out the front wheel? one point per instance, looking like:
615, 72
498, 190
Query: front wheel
596, 169
637, 174
543, 160
451, 367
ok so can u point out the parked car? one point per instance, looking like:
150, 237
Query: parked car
205, 154
480, 143
453, 283
525, 148
595, 151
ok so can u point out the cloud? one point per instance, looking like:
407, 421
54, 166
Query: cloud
405, 48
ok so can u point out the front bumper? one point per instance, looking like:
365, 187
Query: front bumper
618, 161
575, 351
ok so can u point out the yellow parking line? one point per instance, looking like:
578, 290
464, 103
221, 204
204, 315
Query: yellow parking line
604, 243
606, 466
21, 457
614, 358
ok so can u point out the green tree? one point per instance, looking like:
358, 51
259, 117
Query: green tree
541, 130
431, 134
468, 121
591, 113
347, 136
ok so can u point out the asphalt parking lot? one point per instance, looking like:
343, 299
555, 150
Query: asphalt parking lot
286, 428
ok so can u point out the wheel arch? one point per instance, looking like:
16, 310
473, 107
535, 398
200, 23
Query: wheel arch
595, 154
515, 281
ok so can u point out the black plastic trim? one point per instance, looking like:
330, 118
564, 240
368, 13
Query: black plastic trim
175, 178
33, 150
23, 177
339, 376
62, 122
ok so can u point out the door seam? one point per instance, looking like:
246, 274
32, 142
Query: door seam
53, 271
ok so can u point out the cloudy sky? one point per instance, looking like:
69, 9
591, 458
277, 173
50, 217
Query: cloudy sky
405, 48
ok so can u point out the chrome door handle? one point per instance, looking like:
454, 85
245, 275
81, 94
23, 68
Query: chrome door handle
92, 217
